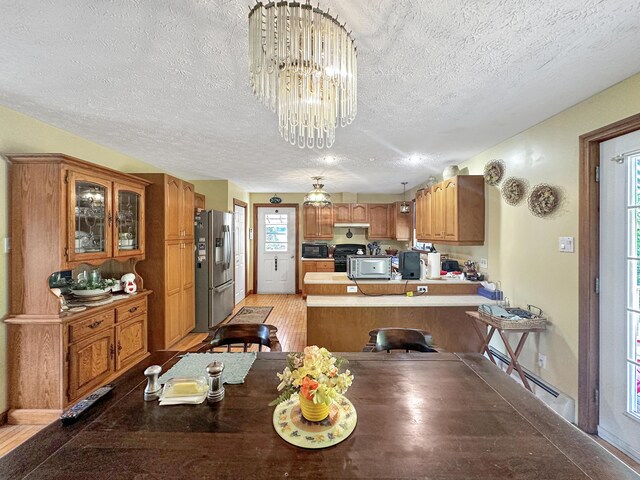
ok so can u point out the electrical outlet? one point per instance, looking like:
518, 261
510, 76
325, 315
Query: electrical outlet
484, 263
7, 244
423, 289
542, 360
352, 289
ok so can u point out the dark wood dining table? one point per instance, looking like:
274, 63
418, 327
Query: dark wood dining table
434, 415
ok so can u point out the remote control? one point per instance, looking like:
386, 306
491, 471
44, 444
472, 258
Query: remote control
82, 406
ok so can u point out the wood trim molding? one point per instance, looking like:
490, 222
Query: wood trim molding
3, 417
255, 239
589, 270
240, 203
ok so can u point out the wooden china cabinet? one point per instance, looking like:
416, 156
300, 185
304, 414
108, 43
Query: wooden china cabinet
66, 213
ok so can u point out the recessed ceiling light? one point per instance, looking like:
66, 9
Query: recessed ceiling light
372, 159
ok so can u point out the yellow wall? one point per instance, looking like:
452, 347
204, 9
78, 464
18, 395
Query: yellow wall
22, 134
522, 249
220, 194
359, 234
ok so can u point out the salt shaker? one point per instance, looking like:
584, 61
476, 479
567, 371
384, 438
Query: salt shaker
216, 389
153, 388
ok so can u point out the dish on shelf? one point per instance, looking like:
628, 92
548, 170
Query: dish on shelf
127, 247
543, 200
97, 292
493, 172
513, 190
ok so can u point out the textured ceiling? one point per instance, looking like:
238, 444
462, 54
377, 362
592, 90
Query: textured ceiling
439, 81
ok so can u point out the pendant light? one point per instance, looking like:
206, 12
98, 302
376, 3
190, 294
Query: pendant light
317, 197
404, 206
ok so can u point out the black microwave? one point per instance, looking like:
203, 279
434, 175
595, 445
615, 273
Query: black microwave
315, 250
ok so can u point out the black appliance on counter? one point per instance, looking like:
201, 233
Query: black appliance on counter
409, 265
450, 266
315, 250
342, 251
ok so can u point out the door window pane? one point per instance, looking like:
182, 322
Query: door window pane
633, 288
276, 232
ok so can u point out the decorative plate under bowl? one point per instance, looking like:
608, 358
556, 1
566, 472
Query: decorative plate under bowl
513, 190
493, 172
544, 200
295, 429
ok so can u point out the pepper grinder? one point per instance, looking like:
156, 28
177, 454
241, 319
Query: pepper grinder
153, 388
216, 389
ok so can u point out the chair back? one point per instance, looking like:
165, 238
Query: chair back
242, 333
408, 339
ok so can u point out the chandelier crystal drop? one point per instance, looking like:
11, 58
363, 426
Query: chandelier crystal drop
303, 62
317, 197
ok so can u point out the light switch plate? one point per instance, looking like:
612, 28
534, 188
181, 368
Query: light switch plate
7, 244
484, 263
566, 244
352, 289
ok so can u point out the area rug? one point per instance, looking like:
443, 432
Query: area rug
251, 315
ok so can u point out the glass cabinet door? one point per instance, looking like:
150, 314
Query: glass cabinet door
90, 205
129, 220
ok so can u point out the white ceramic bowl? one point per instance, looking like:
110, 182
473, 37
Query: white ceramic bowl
91, 293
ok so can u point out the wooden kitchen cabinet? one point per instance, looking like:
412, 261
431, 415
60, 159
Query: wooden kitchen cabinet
91, 362
401, 223
318, 222
169, 267
316, 266
65, 213
351, 212
452, 212
380, 221
199, 201
131, 340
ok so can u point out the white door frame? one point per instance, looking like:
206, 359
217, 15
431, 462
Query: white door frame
255, 240
240, 203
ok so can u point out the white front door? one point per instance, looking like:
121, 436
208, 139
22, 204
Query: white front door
620, 293
276, 238
240, 248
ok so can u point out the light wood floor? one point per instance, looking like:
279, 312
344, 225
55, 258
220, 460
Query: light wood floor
289, 316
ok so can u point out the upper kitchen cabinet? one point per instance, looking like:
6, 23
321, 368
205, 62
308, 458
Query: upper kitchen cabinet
380, 221
351, 212
318, 222
86, 213
401, 222
452, 212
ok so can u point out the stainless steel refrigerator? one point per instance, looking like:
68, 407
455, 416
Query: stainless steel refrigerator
214, 268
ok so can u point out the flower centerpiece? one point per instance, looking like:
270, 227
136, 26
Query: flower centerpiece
315, 376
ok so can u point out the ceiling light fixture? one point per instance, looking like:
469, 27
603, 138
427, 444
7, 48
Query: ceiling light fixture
317, 197
302, 61
404, 206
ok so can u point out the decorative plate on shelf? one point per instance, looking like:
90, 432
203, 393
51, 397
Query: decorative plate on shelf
295, 429
513, 190
544, 200
493, 172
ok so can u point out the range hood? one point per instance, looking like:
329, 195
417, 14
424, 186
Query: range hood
351, 225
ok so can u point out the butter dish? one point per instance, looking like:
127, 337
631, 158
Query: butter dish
184, 390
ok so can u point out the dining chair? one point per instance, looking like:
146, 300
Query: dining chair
408, 339
246, 334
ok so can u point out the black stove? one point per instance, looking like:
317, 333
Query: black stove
340, 255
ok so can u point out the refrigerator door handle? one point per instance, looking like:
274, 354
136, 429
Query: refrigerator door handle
222, 288
227, 245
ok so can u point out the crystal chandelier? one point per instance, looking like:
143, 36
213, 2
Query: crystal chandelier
317, 197
304, 62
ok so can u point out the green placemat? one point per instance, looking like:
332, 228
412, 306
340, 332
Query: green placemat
236, 366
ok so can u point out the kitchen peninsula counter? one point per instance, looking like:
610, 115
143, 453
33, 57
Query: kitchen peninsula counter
342, 322
336, 283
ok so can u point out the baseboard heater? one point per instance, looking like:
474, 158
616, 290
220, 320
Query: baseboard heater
532, 378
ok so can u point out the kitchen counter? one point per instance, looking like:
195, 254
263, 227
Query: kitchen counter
316, 259
396, 301
337, 283
340, 278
